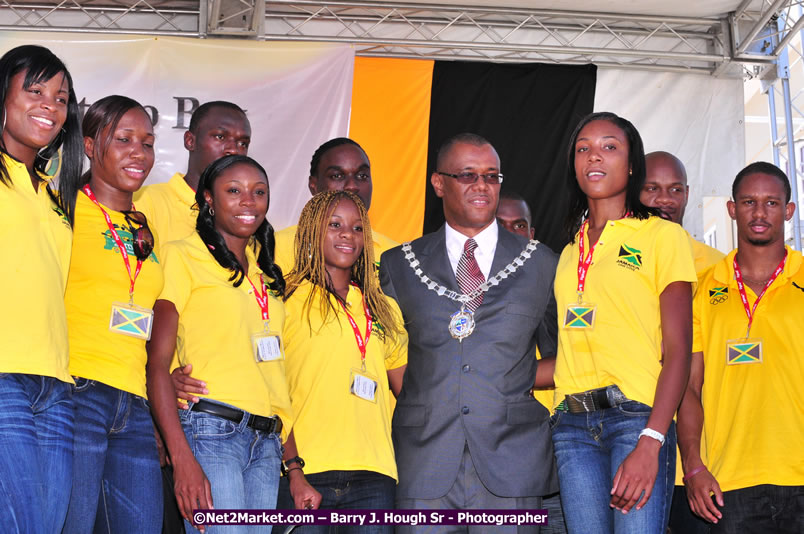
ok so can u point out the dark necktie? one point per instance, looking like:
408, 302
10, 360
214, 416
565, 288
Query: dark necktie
468, 274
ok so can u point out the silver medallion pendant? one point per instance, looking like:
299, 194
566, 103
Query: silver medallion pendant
461, 324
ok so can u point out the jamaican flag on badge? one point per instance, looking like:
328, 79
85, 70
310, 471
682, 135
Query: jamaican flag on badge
744, 351
579, 316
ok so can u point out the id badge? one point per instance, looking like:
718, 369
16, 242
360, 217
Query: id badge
744, 350
363, 385
267, 347
131, 320
580, 316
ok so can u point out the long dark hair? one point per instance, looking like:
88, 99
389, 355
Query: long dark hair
310, 264
262, 240
104, 113
578, 203
40, 64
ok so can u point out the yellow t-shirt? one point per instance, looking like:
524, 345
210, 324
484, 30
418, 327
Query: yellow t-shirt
285, 257
98, 278
169, 208
36, 239
634, 261
216, 325
544, 396
335, 430
753, 412
704, 255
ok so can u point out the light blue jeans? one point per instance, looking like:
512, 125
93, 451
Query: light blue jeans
589, 449
241, 464
118, 482
36, 452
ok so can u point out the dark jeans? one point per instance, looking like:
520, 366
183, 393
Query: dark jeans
589, 449
682, 519
117, 481
345, 490
36, 452
763, 509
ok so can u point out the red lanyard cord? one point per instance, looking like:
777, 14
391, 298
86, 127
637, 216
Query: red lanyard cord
118, 241
362, 341
261, 297
583, 263
738, 276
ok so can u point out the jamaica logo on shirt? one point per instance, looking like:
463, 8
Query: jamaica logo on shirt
127, 238
629, 257
718, 295
63, 216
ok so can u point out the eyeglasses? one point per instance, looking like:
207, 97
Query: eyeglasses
468, 178
142, 240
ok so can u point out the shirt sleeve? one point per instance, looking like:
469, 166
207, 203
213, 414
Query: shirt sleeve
397, 355
674, 262
178, 277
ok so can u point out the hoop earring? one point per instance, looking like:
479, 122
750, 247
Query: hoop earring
211, 211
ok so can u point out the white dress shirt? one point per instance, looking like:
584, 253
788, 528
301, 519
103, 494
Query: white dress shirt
484, 253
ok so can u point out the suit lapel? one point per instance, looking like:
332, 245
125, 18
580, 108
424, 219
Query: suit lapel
507, 249
434, 261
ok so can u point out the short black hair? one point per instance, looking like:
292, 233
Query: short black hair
326, 147
466, 137
762, 167
204, 109
510, 194
106, 112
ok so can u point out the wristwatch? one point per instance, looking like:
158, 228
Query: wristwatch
287, 463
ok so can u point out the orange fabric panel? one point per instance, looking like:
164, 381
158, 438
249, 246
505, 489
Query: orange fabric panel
390, 119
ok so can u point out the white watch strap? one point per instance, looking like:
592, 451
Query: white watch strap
658, 436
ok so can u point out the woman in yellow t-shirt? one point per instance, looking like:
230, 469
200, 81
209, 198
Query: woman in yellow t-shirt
221, 309
40, 116
623, 290
344, 345
113, 282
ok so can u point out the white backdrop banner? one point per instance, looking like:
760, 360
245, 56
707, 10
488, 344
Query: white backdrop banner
697, 118
296, 95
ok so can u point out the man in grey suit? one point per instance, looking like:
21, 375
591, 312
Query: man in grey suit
476, 300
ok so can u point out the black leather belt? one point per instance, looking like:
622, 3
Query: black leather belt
594, 399
257, 422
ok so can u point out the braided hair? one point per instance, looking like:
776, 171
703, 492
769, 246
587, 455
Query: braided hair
262, 241
310, 265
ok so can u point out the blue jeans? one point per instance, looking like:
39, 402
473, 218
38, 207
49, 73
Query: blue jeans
589, 449
241, 464
36, 452
345, 490
118, 480
763, 509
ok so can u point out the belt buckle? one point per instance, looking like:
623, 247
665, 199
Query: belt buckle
581, 402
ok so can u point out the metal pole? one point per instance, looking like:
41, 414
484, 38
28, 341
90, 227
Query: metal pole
773, 128
791, 160
784, 74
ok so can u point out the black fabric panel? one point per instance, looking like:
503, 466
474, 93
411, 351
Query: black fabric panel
528, 112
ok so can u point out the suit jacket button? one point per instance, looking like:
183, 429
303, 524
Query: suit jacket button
466, 368
465, 410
